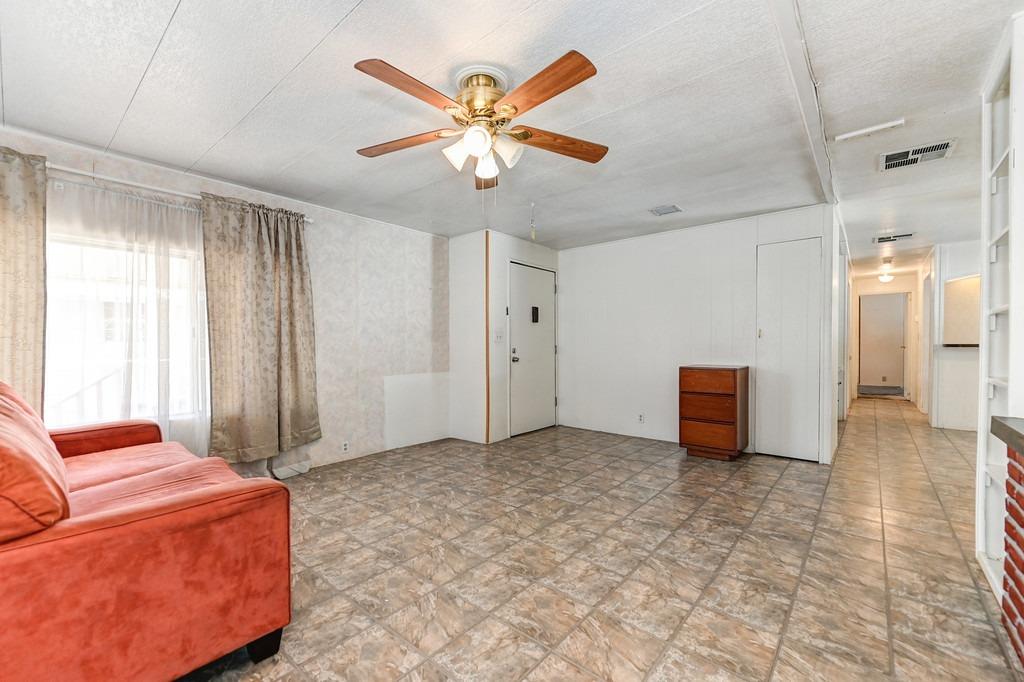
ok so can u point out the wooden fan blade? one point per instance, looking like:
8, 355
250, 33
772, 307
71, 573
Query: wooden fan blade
559, 144
571, 69
406, 142
396, 78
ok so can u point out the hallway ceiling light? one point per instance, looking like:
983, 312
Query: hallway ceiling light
886, 268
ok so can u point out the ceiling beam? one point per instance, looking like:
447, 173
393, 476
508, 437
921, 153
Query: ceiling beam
794, 48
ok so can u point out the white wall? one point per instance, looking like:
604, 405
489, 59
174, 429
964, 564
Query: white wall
632, 311
468, 365
380, 302
503, 250
954, 371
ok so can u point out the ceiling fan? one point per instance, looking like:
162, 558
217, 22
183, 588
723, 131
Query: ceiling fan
483, 111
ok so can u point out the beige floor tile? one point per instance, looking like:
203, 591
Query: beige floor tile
583, 581
434, 620
751, 602
556, 669
655, 609
371, 656
391, 590
488, 585
611, 649
490, 651
727, 643
543, 613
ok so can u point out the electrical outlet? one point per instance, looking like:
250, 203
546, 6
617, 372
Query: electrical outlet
344, 446
884, 378
640, 419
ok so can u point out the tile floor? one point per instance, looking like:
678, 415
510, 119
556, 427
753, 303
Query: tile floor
575, 555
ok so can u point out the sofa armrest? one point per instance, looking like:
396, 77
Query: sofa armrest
82, 440
151, 591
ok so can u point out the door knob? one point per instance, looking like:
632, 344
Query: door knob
515, 359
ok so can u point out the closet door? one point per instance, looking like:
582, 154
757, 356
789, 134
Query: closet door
787, 365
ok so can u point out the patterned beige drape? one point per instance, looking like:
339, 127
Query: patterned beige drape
262, 352
22, 272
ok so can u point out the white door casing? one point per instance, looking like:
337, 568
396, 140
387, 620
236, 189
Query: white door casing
531, 326
787, 357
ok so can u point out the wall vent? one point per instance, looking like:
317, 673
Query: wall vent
916, 155
666, 210
886, 238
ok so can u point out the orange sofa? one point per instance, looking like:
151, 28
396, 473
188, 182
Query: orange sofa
126, 558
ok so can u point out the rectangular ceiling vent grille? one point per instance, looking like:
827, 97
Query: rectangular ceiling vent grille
885, 239
916, 155
666, 210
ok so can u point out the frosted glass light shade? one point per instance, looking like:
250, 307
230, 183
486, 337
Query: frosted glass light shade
477, 140
508, 149
487, 167
456, 154
885, 278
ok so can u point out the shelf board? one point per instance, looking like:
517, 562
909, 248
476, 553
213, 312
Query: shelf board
999, 309
1001, 164
1002, 238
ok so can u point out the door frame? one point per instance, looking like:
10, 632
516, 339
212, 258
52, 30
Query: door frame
905, 336
824, 348
508, 336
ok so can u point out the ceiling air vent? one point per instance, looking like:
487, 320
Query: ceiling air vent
885, 239
916, 155
666, 210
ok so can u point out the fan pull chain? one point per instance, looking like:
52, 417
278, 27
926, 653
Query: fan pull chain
533, 224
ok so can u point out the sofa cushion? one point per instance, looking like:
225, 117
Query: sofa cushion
85, 471
33, 482
125, 493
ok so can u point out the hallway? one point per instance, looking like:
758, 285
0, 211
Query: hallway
899, 484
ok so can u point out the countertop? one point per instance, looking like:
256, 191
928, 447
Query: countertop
1010, 430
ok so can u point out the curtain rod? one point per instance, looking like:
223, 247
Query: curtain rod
130, 183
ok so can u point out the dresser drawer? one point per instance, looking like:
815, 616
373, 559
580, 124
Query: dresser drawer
707, 380
707, 434
718, 408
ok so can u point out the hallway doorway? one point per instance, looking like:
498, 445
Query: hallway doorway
883, 345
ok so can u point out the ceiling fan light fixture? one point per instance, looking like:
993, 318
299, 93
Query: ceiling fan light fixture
487, 167
456, 154
477, 140
886, 277
509, 150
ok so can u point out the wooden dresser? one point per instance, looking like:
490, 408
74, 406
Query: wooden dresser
713, 410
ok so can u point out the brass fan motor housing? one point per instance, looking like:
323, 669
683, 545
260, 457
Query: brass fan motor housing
479, 93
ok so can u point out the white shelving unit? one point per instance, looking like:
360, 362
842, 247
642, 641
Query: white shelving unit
1002, 382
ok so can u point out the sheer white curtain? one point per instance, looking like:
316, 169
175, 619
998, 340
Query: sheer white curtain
126, 310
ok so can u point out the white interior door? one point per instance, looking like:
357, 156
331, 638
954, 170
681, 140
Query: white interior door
843, 331
882, 340
787, 365
531, 336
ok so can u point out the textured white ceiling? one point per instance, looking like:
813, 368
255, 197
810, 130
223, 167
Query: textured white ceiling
877, 61
692, 96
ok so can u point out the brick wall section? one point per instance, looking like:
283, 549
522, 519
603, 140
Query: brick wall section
1013, 574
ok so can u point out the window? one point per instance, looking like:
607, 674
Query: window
126, 312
